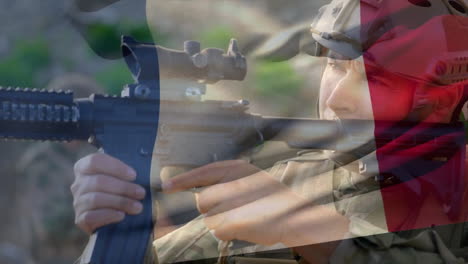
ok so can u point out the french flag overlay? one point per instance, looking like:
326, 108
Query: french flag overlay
422, 169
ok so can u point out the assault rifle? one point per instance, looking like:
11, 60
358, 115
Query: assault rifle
144, 131
150, 128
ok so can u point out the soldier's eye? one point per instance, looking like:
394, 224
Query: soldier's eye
335, 65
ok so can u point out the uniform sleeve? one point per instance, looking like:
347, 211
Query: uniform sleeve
192, 241
426, 247
370, 242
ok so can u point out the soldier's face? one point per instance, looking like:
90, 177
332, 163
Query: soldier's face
347, 91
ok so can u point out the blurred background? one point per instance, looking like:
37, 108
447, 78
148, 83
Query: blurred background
53, 44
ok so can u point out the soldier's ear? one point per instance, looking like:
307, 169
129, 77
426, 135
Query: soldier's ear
447, 102
449, 97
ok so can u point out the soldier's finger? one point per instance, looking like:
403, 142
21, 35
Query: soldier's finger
110, 185
94, 201
226, 196
204, 176
100, 163
223, 226
242, 223
89, 221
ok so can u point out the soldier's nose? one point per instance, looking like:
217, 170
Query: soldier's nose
343, 99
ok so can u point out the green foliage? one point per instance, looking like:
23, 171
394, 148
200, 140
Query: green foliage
114, 78
276, 79
105, 38
24, 63
216, 37
139, 32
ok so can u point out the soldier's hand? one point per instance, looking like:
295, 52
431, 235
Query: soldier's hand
239, 201
103, 192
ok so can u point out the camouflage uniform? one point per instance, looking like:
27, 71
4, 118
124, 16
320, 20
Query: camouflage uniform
358, 202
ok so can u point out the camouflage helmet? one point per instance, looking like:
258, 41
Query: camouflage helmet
349, 27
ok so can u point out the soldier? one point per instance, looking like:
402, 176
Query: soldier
305, 202
44, 224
